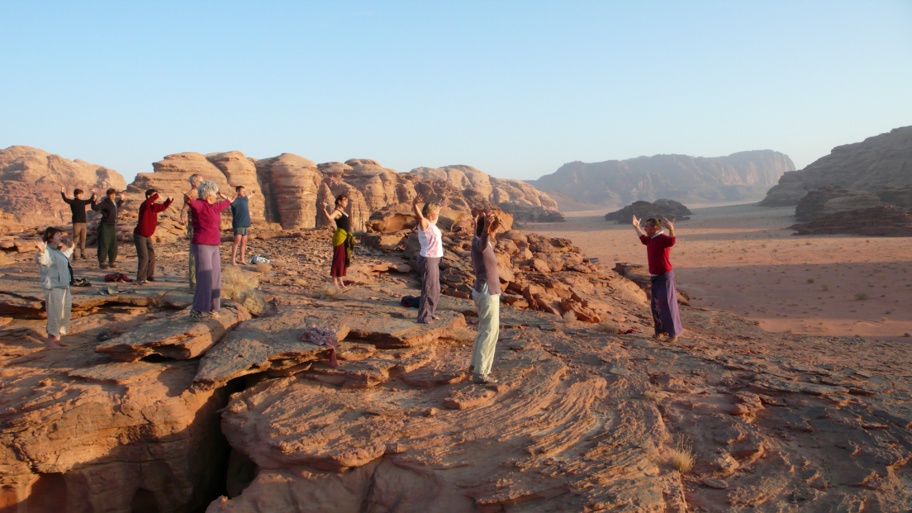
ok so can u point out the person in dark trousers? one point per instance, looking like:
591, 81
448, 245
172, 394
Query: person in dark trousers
195, 179
142, 235
107, 228
431, 241
78, 208
664, 303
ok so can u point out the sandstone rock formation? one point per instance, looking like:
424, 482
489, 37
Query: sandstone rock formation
30, 182
524, 201
834, 209
743, 176
644, 210
291, 190
587, 417
872, 165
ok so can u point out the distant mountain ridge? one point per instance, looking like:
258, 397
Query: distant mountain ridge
740, 176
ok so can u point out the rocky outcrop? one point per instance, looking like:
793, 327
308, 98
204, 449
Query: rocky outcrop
644, 210
872, 165
586, 417
879, 221
837, 210
741, 176
520, 199
30, 182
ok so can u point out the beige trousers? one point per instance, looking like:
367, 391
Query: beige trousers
79, 238
488, 331
58, 302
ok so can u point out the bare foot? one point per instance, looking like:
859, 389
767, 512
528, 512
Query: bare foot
56, 343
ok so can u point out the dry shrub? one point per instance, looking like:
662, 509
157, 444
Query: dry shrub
608, 326
328, 291
681, 457
569, 316
263, 267
243, 287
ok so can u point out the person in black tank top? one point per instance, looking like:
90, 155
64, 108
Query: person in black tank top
342, 241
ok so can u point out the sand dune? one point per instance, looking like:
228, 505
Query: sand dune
744, 259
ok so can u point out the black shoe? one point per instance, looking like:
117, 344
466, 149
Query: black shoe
150, 278
102, 265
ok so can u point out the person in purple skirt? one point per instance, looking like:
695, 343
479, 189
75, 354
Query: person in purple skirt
206, 218
664, 301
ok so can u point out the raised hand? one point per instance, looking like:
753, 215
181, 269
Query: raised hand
669, 224
41, 245
636, 222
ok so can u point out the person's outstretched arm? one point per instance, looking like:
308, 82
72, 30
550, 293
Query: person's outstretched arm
422, 221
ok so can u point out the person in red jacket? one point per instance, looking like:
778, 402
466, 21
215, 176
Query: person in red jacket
142, 235
664, 295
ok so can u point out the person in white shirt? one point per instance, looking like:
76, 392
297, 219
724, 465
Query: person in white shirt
53, 261
431, 241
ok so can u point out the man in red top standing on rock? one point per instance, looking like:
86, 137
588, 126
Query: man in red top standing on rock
664, 303
142, 235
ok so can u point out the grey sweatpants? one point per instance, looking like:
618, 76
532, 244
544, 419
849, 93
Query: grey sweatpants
429, 270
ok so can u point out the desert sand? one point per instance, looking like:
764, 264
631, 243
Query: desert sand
744, 259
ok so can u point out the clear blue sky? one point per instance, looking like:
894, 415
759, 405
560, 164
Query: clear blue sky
514, 88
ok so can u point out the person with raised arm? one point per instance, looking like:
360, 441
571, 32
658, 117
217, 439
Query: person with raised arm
205, 215
342, 240
486, 294
664, 302
431, 253
78, 210
107, 228
142, 235
53, 259
189, 196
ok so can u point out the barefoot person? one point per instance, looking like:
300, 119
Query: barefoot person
107, 228
664, 296
53, 260
142, 235
342, 241
189, 196
486, 294
431, 241
205, 216
78, 209
240, 222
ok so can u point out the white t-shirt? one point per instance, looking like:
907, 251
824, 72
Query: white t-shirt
431, 241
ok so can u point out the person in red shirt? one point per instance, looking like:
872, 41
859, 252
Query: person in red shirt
142, 235
205, 216
664, 296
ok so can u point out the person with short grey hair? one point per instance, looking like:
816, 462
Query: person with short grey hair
206, 218
189, 196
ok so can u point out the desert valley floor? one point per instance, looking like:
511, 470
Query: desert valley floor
744, 259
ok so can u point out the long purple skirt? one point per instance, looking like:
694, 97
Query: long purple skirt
665, 305
207, 295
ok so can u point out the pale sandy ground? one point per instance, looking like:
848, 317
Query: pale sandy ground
742, 258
